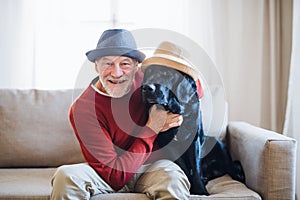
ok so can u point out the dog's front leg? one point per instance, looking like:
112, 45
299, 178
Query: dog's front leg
193, 155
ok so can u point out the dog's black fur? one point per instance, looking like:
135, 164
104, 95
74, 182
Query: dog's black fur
177, 92
216, 161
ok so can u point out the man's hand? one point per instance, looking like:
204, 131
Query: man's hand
161, 120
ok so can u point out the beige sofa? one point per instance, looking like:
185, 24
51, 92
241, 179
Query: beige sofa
35, 138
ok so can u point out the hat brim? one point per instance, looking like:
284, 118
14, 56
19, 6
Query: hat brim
172, 63
119, 51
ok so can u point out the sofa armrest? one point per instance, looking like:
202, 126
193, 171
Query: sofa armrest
268, 159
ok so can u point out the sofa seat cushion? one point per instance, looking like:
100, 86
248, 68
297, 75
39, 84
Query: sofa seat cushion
23, 183
226, 188
120, 196
35, 183
223, 188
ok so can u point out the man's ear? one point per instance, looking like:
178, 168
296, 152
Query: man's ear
136, 65
96, 68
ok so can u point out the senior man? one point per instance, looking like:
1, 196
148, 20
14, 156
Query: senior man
115, 135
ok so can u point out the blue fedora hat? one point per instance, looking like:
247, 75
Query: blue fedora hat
116, 42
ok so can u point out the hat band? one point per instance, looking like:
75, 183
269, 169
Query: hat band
176, 59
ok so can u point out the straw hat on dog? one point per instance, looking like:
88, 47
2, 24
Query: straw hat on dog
171, 55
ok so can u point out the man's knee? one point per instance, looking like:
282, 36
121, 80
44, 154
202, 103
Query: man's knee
164, 179
67, 184
62, 175
77, 181
170, 171
173, 174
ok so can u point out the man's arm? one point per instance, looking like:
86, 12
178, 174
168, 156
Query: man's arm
114, 164
101, 153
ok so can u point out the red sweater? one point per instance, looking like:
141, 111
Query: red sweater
112, 133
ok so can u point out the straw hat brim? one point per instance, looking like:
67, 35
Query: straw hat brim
172, 62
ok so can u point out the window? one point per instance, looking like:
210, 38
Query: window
46, 40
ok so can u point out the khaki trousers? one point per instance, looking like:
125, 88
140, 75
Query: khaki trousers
160, 180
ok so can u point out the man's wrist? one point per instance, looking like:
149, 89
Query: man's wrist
153, 128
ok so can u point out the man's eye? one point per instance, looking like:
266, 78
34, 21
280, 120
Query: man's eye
108, 64
126, 65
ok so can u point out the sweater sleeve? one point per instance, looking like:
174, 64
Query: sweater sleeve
114, 164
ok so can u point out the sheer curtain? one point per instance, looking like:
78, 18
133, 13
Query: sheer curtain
292, 125
43, 42
17, 43
250, 41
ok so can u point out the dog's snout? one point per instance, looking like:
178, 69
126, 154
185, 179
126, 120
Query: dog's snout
149, 87
154, 94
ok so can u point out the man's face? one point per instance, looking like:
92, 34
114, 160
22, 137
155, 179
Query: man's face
116, 74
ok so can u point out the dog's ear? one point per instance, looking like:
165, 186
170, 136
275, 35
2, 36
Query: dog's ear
186, 89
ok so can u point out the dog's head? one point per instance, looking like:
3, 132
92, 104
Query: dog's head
168, 87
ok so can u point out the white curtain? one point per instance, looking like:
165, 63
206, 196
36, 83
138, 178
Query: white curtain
292, 120
43, 42
17, 46
250, 42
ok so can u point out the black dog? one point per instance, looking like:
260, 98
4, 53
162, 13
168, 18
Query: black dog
216, 161
177, 92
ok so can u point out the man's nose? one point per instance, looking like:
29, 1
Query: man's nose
116, 70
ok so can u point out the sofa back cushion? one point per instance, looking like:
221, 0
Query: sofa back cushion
35, 129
